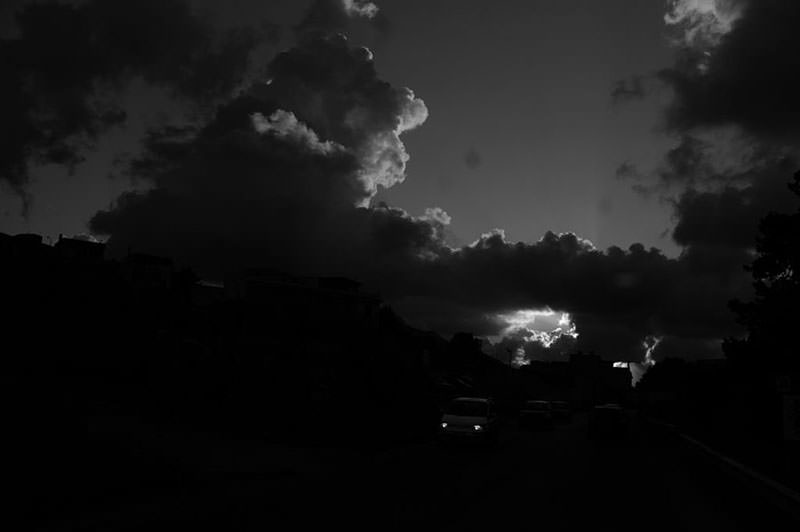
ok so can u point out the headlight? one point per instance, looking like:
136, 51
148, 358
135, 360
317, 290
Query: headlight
477, 427
444, 425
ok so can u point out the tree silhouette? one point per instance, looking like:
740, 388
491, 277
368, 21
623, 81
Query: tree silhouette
773, 316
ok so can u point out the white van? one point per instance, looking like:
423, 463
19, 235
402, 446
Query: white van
469, 418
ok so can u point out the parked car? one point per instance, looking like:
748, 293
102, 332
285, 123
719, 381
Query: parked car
536, 413
469, 419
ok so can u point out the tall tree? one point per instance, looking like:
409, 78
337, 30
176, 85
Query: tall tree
773, 316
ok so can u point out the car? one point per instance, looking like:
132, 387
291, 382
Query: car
561, 410
469, 419
607, 421
536, 413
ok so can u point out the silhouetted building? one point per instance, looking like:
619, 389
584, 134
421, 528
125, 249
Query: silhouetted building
147, 272
25, 247
329, 303
584, 380
6, 244
206, 293
598, 381
73, 249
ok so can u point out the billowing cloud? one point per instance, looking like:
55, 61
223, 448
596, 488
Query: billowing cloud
285, 125
334, 88
360, 8
615, 298
284, 176
702, 24
66, 68
735, 116
529, 335
729, 216
737, 66
326, 17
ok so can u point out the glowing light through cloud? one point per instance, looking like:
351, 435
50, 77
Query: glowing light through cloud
638, 369
543, 327
520, 358
524, 323
650, 343
524, 318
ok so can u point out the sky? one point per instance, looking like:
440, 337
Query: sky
523, 86
551, 175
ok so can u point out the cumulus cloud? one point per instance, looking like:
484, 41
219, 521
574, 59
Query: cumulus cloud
702, 23
284, 176
729, 216
734, 114
361, 8
737, 64
334, 88
338, 16
615, 297
530, 335
65, 68
284, 124
733, 82
284, 173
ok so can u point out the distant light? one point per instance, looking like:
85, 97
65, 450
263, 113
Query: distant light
477, 427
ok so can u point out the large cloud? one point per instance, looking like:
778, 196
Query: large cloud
616, 297
283, 173
284, 176
735, 116
324, 17
65, 69
729, 216
736, 119
734, 82
737, 65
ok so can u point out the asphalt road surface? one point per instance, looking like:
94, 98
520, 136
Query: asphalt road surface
550, 479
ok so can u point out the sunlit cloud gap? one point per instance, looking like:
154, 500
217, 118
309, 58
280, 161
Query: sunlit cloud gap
534, 326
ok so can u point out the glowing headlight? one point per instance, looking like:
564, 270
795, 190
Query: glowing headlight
444, 425
477, 427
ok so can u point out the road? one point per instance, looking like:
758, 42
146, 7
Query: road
554, 479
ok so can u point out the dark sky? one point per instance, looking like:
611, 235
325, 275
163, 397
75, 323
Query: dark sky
555, 129
522, 85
